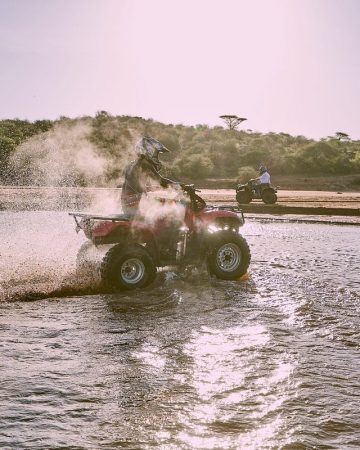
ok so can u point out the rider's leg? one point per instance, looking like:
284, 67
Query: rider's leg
168, 237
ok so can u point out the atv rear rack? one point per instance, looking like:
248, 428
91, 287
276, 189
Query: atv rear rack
89, 216
112, 217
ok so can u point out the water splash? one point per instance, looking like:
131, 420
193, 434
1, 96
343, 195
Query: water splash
38, 256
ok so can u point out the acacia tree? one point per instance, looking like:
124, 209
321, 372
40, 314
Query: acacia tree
232, 121
342, 136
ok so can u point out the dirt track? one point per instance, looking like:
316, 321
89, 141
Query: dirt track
296, 202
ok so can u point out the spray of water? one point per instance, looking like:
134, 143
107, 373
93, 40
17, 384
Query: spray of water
39, 248
160, 205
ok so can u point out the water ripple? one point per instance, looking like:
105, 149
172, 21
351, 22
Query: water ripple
192, 362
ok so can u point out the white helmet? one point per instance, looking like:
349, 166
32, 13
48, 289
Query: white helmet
151, 148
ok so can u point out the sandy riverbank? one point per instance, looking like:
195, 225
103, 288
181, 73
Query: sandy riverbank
289, 202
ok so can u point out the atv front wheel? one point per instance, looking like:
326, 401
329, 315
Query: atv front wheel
243, 197
269, 197
229, 258
128, 267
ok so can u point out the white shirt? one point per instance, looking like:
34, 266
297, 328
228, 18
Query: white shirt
265, 178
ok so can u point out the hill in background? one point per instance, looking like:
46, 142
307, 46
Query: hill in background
90, 151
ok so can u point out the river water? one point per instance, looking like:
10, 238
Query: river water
189, 363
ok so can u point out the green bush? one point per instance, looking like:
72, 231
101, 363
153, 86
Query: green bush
246, 173
195, 166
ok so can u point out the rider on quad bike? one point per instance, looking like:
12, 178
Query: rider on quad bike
195, 234
263, 179
139, 172
257, 188
210, 234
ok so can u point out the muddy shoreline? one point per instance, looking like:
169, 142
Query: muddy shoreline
297, 202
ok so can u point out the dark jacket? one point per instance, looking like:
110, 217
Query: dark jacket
137, 175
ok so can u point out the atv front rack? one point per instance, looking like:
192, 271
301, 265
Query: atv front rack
231, 208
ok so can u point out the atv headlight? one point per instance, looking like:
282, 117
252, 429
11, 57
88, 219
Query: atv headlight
213, 228
230, 224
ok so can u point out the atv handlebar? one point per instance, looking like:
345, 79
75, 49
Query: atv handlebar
189, 188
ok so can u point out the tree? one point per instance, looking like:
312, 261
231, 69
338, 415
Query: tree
232, 121
342, 136
319, 158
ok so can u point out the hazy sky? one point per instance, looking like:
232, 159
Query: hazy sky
286, 65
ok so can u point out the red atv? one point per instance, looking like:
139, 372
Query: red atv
207, 234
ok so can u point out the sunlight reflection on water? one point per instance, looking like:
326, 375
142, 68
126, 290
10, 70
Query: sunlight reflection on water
190, 363
217, 360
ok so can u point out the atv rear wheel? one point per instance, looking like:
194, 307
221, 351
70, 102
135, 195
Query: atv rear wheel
229, 258
128, 267
243, 197
269, 197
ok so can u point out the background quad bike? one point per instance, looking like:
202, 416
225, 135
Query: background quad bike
245, 193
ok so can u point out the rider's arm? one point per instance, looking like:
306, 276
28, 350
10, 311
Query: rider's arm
164, 182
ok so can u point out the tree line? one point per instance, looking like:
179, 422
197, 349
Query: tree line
197, 152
